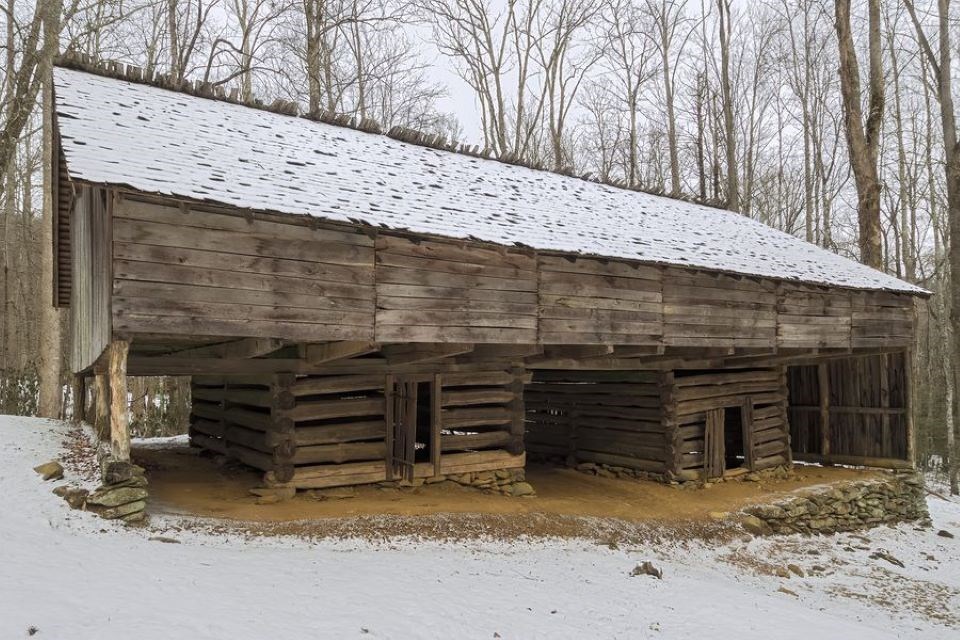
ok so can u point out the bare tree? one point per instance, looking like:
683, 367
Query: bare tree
940, 62
863, 139
733, 181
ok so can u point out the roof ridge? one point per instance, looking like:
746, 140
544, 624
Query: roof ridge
212, 91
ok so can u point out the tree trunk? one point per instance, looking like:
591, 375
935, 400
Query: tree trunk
49, 356
733, 182
863, 142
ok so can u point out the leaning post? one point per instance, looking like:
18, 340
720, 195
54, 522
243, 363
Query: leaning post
117, 382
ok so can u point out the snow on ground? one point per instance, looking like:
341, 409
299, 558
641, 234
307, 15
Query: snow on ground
71, 575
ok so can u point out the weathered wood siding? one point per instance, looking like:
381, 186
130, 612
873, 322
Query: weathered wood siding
599, 302
320, 431
701, 309
760, 394
90, 281
608, 417
195, 272
866, 408
813, 317
442, 292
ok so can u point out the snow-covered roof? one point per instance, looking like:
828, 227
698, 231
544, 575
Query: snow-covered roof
159, 141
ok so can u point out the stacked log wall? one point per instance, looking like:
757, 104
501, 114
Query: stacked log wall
760, 393
238, 417
318, 431
607, 417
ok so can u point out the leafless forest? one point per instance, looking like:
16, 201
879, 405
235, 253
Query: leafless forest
830, 119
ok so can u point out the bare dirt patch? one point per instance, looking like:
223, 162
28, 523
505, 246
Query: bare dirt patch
568, 503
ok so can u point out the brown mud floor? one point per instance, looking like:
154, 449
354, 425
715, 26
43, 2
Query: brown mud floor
568, 503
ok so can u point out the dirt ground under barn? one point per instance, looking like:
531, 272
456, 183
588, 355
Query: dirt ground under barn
182, 481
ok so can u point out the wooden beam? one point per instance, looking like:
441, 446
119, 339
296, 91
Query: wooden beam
577, 351
423, 352
332, 351
79, 398
885, 399
504, 351
245, 348
390, 423
101, 420
436, 421
823, 382
638, 351
117, 375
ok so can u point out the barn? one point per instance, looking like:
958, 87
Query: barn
357, 306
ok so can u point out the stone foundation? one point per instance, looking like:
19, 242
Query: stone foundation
893, 497
509, 482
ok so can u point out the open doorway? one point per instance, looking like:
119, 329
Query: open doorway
734, 457
412, 414
725, 437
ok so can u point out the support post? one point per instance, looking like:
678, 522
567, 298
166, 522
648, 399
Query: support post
668, 412
885, 443
101, 406
517, 413
117, 379
283, 436
390, 423
823, 381
436, 422
79, 398
746, 419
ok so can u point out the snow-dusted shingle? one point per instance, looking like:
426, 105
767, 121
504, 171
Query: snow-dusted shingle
120, 133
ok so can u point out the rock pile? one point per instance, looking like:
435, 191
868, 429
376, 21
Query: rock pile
509, 482
611, 471
123, 494
894, 497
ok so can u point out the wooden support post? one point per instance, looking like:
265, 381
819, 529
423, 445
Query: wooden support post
517, 413
674, 439
117, 377
908, 363
282, 403
101, 421
885, 443
409, 429
79, 398
436, 422
823, 381
785, 414
390, 423
746, 418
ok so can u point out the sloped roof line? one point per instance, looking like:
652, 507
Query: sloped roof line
174, 144
211, 91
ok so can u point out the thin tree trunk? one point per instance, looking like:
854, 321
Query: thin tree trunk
49, 369
863, 141
733, 183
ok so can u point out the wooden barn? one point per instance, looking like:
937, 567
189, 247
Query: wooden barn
355, 307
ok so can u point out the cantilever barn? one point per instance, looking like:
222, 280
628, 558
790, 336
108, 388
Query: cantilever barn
355, 307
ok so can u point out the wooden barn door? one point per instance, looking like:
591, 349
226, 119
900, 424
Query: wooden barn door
404, 416
402, 428
714, 448
716, 437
